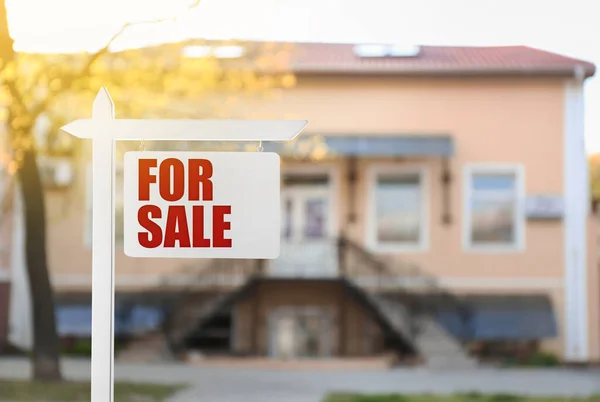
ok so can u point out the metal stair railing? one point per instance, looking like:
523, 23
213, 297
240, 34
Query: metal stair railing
219, 276
420, 291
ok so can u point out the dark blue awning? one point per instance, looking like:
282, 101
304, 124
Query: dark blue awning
504, 318
76, 320
369, 145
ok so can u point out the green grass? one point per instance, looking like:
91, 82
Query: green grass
472, 397
25, 391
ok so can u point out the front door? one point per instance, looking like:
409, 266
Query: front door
307, 245
300, 333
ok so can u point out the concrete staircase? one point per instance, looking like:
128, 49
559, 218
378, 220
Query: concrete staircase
194, 313
191, 313
403, 299
151, 348
434, 344
439, 348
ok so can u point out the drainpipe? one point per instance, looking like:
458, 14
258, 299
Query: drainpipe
446, 179
352, 177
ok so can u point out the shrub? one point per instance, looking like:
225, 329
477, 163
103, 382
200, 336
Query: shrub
543, 359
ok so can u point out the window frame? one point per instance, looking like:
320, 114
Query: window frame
518, 245
374, 171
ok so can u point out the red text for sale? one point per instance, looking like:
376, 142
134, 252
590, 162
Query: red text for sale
173, 177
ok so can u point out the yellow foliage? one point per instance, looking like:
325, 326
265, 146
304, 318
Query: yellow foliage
145, 83
594, 173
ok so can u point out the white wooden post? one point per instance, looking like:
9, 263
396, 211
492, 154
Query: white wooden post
103, 253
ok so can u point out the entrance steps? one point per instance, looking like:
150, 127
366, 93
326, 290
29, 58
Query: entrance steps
151, 348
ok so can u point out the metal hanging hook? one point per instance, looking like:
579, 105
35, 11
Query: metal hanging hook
260, 147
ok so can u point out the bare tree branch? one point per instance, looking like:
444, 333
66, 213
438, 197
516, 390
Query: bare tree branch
67, 81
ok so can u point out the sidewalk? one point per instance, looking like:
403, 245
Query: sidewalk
219, 384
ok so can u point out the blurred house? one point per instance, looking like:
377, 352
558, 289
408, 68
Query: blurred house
449, 220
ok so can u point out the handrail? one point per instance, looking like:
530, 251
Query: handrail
402, 279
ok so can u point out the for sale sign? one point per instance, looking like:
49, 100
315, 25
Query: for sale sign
202, 204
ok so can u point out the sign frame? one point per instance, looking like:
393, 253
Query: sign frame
104, 131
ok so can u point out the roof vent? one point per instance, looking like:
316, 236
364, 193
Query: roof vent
378, 50
196, 51
404, 50
220, 52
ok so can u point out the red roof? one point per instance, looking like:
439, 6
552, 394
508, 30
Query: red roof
341, 58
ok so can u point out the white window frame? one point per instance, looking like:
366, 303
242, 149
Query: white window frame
87, 235
371, 222
332, 172
514, 169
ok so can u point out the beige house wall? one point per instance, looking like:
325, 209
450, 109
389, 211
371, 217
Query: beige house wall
492, 121
593, 281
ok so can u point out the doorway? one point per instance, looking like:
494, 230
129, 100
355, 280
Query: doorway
308, 246
297, 333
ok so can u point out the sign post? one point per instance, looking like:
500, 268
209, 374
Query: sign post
226, 213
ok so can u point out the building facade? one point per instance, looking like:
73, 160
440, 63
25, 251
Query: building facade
436, 200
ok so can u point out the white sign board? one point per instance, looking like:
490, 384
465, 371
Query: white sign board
544, 207
202, 204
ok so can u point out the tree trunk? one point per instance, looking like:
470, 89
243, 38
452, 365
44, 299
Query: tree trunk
46, 348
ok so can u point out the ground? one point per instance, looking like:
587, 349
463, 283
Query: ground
216, 384
452, 398
26, 391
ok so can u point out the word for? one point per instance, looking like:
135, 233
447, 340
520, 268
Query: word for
173, 179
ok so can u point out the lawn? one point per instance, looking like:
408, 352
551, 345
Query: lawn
25, 391
454, 398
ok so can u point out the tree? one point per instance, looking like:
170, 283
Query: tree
157, 81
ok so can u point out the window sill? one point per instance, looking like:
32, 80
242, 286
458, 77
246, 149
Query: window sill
512, 249
397, 248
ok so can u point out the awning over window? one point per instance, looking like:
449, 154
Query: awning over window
504, 318
369, 145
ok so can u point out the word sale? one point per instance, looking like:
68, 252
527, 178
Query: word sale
171, 181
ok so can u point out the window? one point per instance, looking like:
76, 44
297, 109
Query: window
398, 210
119, 222
494, 217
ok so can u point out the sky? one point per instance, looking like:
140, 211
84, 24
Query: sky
569, 27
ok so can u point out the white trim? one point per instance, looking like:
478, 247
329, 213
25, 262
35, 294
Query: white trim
513, 168
503, 283
500, 284
186, 129
166, 280
374, 170
151, 280
577, 204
